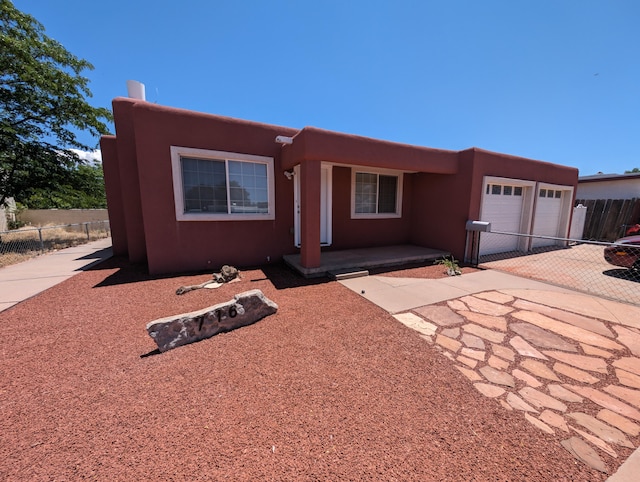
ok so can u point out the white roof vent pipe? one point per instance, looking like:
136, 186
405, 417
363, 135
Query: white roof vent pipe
135, 89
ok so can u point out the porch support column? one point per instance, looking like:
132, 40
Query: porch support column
310, 178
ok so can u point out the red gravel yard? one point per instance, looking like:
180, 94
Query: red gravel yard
331, 387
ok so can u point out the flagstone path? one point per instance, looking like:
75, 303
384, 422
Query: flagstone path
568, 373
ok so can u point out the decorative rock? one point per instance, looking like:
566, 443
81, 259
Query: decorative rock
506, 405
498, 363
592, 350
475, 354
416, 323
493, 322
581, 451
246, 308
541, 338
470, 374
448, 343
555, 420
574, 373
456, 305
487, 307
440, 315
538, 423
498, 377
627, 394
585, 362
503, 352
600, 429
495, 296
539, 369
572, 318
492, 336
597, 442
525, 349
562, 393
540, 400
628, 379
629, 338
471, 363
620, 422
525, 377
489, 390
472, 341
630, 364
606, 401
451, 332
568, 331
519, 404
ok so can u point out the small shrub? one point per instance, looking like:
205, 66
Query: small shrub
451, 265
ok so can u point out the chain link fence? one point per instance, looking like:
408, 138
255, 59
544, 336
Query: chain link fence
21, 244
576, 264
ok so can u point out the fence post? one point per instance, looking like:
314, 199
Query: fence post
41, 242
86, 228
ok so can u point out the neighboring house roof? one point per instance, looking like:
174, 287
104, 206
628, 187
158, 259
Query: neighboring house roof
609, 177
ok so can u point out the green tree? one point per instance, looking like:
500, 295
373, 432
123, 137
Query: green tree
635, 169
83, 188
42, 106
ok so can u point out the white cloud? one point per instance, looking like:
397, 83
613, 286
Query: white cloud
90, 156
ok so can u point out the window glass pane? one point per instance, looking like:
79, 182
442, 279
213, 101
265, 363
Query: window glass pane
488, 187
507, 190
496, 189
558, 194
387, 189
248, 187
543, 193
517, 191
550, 193
366, 193
203, 182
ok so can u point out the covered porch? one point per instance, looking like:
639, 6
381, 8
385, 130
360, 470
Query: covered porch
356, 262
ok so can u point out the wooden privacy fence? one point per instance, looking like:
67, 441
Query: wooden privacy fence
607, 219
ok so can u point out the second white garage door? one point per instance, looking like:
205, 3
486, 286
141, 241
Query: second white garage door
548, 216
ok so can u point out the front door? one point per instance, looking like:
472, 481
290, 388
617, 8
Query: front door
325, 205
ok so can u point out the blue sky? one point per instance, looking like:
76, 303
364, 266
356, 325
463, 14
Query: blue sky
554, 80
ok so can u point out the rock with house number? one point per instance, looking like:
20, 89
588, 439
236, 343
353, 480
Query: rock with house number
245, 309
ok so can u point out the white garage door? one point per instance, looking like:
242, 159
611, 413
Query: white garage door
502, 206
547, 216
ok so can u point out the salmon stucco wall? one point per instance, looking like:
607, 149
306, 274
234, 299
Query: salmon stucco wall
113, 191
129, 181
178, 246
365, 233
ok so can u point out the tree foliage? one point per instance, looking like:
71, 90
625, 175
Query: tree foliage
83, 189
42, 106
635, 169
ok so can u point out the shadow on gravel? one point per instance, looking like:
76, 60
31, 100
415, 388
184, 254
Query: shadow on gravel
625, 274
283, 278
151, 353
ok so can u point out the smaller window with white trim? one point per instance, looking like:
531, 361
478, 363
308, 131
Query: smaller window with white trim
376, 194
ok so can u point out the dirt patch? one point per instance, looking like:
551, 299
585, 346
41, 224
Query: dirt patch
329, 388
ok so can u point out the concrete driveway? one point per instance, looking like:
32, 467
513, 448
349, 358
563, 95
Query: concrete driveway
580, 267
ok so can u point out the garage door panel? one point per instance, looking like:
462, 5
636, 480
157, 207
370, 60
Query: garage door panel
547, 218
502, 207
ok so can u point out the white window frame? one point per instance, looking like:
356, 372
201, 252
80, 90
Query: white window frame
178, 152
384, 172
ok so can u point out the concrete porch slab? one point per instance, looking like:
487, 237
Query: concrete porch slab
365, 258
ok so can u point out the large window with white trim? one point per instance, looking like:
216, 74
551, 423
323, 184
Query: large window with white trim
215, 185
376, 194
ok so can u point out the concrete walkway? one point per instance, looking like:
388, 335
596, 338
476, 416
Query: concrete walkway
21, 281
546, 352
